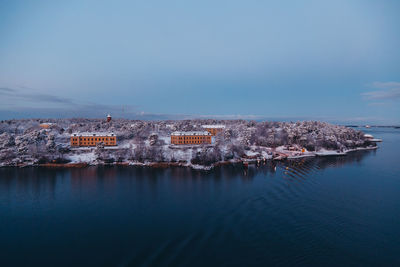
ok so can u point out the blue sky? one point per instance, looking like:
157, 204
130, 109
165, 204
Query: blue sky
329, 60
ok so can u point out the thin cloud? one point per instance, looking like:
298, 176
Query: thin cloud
388, 91
47, 98
16, 94
390, 94
378, 104
25, 103
7, 90
383, 85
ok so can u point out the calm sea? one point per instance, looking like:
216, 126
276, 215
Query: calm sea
339, 211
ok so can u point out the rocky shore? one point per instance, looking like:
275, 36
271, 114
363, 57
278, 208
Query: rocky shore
147, 143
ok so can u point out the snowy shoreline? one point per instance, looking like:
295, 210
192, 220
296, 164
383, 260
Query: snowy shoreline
84, 164
148, 143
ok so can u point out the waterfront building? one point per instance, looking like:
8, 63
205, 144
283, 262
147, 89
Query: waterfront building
92, 139
370, 138
213, 129
191, 138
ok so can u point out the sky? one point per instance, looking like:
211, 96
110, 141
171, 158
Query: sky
337, 61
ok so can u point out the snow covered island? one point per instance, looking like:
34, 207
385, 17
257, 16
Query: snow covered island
26, 142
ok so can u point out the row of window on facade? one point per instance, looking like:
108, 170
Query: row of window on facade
191, 137
196, 137
91, 138
107, 140
178, 138
199, 137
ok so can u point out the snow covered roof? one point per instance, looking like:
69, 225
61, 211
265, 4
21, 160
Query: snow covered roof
215, 126
368, 136
191, 133
86, 134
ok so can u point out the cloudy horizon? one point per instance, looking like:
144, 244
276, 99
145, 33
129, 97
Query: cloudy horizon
336, 61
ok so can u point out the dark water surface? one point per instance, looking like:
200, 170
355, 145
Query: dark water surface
337, 211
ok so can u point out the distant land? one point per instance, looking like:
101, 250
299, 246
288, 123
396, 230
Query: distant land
374, 126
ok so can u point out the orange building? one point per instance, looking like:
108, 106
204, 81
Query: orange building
91, 139
190, 138
46, 125
213, 129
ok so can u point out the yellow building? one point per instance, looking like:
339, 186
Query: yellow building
190, 138
213, 129
91, 139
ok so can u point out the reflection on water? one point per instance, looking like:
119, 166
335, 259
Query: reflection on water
302, 168
37, 182
298, 212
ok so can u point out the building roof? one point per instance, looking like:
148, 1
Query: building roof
215, 126
87, 134
191, 133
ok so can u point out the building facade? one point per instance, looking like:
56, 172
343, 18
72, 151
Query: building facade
46, 125
190, 138
213, 129
92, 139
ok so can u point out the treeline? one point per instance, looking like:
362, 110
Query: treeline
145, 141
